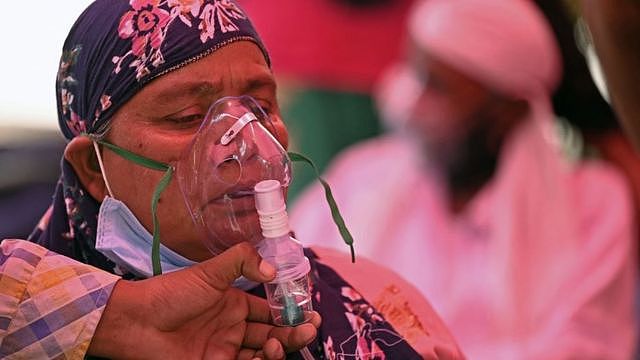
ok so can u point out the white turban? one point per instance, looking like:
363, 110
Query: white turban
507, 45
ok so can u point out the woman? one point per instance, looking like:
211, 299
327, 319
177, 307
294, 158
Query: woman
140, 76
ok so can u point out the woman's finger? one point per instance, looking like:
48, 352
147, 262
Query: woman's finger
273, 350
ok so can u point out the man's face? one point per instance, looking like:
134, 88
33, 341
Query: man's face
450, 106
161, 120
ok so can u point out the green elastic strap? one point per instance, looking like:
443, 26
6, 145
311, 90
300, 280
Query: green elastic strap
140, 160
164, 182
155, 247
335, 213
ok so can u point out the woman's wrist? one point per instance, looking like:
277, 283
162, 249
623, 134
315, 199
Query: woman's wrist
119, 329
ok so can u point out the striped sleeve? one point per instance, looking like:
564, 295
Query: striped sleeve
50, 305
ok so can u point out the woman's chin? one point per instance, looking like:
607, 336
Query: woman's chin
241, 227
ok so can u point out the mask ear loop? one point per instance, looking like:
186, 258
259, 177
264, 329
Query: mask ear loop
164, 182
101, 164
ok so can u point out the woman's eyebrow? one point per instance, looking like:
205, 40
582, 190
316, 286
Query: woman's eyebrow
258, 82
209, 89
188, 89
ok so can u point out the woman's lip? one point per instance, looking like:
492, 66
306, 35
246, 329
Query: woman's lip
236, 194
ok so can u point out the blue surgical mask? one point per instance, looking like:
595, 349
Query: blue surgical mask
123, 240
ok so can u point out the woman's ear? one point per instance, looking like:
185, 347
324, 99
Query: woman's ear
82, 157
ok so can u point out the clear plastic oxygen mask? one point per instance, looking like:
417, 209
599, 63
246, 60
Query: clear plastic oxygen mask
233, 150
288, 295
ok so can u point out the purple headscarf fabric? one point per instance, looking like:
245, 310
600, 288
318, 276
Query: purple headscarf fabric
114, 49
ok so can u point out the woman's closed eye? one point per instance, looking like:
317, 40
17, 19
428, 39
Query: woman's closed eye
265, 106
187, 119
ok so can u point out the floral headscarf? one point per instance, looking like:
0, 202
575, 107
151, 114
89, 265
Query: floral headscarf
114, 49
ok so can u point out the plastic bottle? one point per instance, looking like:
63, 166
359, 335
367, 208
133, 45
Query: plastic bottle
288, 295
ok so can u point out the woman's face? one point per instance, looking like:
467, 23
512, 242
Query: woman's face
161, 120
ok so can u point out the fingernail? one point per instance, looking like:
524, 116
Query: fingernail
267, 269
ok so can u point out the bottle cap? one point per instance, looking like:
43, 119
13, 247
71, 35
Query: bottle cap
269, 197
272, 210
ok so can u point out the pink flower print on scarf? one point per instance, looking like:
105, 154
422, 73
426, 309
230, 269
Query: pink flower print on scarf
144, 25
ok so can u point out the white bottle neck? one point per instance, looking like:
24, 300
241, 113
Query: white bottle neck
274, 224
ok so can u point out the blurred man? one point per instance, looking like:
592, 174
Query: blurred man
525, 253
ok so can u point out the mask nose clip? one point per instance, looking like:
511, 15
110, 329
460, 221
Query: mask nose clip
237, 127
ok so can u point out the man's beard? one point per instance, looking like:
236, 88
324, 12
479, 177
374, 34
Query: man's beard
470, 162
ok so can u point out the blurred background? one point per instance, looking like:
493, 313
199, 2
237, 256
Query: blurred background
30, 143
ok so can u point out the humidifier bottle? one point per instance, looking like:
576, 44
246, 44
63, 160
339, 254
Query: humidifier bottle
289, 294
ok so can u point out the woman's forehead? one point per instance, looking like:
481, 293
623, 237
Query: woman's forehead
236, 62
236, 69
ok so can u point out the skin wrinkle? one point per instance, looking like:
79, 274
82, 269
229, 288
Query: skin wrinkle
190, 89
